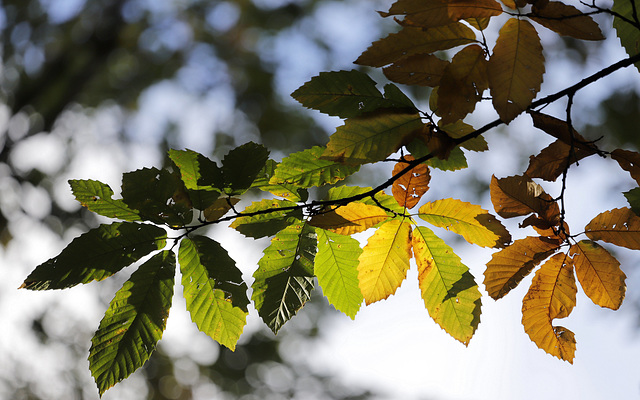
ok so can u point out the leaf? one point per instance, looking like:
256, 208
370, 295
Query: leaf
435, 13
351, 218
561, 130
628, 34
419, 69
306, 169
385, 260
393, 93
241, 166
285, 190
566, 20
133, 323
620, 226
633, 197
470, 221
552, 295
336, 268
518, 195
479, 23
219, 208
462, 84
449, 291
413, 40
192, 166
510, 265
459, 129
96, 255
159, 195
515, 68
509, 3
214, 290
409, 188
553, 160
629, 161
284, 278
599, 274
345, 94
382, 199
454, 161
267, 223
97, 197
370, 139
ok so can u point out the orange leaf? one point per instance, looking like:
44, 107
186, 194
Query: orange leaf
620, 226
515, 68
385, 260
519, 195
566, 20
553, 160
409, 188
629, 161
599, 274
511, 264
419, 69
552, 295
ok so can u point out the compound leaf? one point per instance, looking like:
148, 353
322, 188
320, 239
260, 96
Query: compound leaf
97, 197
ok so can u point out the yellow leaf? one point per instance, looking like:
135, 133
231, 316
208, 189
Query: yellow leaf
470, 221
566, 20
449, 291
414, 40
385, 260
419, 69
462, 84
620, 226
219, 208
629, 161
409, 188
519, 195
351, 218
479, 23
515, 68
552, 295
510, 3
599, 274
511, 264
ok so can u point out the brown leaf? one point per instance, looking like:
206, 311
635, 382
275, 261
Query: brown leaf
409, 188
419, 69
553, 160
599, 274
629, 161
566, 20
519, 195
435, 13
515, 68
479, 23
219, 208
620, 226
459, 129
560, 130
511, 264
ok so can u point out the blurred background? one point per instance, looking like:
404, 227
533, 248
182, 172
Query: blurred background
92, 89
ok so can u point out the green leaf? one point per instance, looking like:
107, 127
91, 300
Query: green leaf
159, 195
449, 290
241, 166
306, 169
192, 165
133, 323
96, 255
336, 268
393, 93
633, 197
371, 138
96, 196
268, 223
289, 192
214, 290
284, 278
345, 94
628, 34
454, 162
382, 199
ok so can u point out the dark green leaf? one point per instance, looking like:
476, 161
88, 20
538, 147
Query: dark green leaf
633, 197
306, 169
269, 223
96, 196
289, 192
628, 34
456, 159
190, 164
284, 278
134, 322
241, 166
393, 93
96, 255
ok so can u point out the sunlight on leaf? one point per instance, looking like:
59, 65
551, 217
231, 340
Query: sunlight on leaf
619, 226
97, 197
306, 169
518, 195
409, 188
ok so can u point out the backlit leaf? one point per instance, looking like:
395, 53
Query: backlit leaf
448, 289
553, 160
352, 218
134, 322
566, 20
96, 255
409, 188
628, 34
515, 68
381, 198
518, 195
599, 274
629, 161
561, 130
459, 129
418, 148
336, 268
633, 197
385, 260
97, 197
434, 13
470, 221
510, 265
241, 166
479, 23
268, 223
284, 190
214, 290
620, 226
219, 208
419, 69
370, 139
284, 278
306, 169
193, 166
413, 40
552, 295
